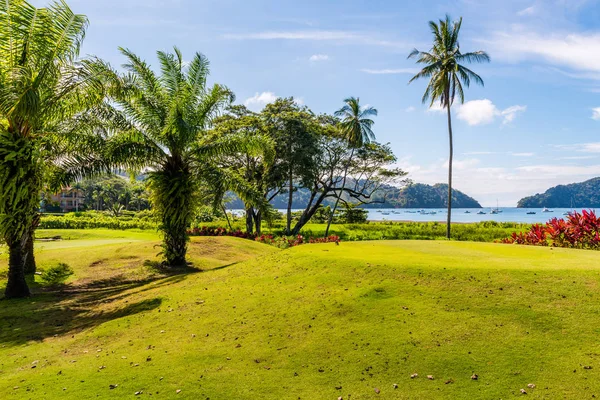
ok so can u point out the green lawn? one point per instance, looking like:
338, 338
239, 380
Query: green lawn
311, 322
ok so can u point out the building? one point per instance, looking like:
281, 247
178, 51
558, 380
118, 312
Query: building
69, 199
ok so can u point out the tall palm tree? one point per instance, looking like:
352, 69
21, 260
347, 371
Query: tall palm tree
355, 127
43, 86
446, 76
160, 125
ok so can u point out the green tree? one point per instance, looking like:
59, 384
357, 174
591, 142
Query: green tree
355, 127
43, 90
294, 130
162, 123
252, 167
446, 76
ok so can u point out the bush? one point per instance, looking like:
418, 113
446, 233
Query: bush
56, 275
95, 219
578, 230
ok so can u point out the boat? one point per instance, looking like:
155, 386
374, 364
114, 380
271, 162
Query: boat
546, 210
481, 213
467, 212
530, 212
496, 210
385, 213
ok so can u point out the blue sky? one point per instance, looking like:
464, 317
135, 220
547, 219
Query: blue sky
535, 124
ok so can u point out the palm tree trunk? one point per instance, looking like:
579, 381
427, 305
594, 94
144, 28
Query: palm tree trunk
448, 222
28, 256
16, 286
337, 200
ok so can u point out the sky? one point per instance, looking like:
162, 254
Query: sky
535, 123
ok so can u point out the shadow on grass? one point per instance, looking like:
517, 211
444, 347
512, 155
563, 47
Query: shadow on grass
71, 309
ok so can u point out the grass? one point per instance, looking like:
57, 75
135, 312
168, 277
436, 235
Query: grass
311, 322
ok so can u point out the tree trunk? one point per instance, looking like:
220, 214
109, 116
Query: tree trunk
337, 200
258, 222
29, 257
289, 205
16, 286
226, 217
448, 222
249, 220
175, 244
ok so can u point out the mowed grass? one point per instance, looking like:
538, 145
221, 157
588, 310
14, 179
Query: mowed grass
311, 322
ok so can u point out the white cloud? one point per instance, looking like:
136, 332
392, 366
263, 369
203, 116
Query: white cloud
510, 113
522, 154
596, 113
409, 109
319, 35
436, 108
259, 100
390, 71
482, 112
478, 112
577, 51
527, 11
593, 147
477, 153
318, 57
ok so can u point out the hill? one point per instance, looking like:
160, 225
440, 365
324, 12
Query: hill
417, 195
582, 194
315, 322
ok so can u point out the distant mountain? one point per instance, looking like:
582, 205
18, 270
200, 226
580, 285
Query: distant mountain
583, 194
417, 195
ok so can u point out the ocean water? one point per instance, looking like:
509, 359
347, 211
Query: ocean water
507, 214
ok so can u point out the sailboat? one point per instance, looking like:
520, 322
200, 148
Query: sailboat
496, 210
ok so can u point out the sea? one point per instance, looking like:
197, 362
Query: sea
464, 215
505, 214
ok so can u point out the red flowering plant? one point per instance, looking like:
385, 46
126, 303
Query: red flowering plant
577, 230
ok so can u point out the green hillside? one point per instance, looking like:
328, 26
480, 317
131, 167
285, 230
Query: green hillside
311, 322
583, 194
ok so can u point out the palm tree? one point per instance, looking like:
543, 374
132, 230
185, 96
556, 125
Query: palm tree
161, 124
355, 127
446, 76
43, 88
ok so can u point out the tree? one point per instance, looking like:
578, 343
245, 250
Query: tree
253, 167
43, 89
368, 167
446, 76
294, 131
160, 124
355, 127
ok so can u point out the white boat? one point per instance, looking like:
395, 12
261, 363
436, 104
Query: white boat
546, 210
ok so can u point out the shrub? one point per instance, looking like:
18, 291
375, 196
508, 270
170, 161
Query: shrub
56, 275
577, 230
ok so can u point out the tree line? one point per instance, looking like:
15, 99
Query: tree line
64, 118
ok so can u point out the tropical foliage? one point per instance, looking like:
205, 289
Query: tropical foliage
160, 124
44, 88
577, 230
446, 73
355, 127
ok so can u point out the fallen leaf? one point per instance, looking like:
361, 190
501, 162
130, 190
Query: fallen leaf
377, 390
523, 391
531, 386
430, 377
